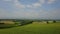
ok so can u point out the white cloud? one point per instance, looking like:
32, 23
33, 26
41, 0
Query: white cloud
53, 14
30, 13
48, 1
18, 14
33, 5
37, 5
7, 0
51, 1
4, 14
29, 6
42, 1
17, 4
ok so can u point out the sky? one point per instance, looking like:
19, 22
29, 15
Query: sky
29, 9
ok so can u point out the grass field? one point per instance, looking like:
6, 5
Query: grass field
53, 28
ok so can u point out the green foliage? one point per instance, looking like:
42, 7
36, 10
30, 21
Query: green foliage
26, 22
54, 21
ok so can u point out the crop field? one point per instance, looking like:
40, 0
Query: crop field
35, 28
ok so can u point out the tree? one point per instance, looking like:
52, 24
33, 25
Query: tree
54, 21
47, 22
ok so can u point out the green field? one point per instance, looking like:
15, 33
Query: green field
36, 28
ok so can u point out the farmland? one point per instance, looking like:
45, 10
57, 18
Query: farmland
34, 28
